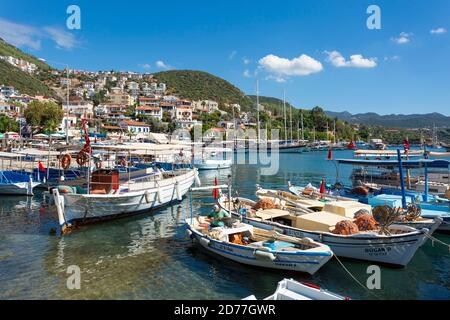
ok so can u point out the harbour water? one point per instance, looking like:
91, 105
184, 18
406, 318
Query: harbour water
149, 256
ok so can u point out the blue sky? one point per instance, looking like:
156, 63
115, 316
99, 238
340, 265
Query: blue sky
303, 47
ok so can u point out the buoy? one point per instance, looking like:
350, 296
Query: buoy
264, 255
177, 189
197, 179
148, 198
159, 194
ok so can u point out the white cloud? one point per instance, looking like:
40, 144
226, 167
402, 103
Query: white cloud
356, 60
247, 74
62, 38
392, 58
162, 65
145, 66
280, 68
28, 36
20, 35
438, 31
246, 61
403, 38
232, 54
278, 79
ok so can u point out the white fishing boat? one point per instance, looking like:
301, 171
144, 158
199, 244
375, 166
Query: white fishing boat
348, 207
289, 289
108, 197
395, 248
245, 244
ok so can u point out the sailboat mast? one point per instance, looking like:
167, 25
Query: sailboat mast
285, 118
303, 129
290, 116
257, 111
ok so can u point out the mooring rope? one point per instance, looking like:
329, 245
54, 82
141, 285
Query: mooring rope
354, 278
433, 239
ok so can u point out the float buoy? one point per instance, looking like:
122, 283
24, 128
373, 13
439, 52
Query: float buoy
65, 161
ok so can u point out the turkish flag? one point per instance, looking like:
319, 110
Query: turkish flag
322, 187
41, 166
406, 145
215, 192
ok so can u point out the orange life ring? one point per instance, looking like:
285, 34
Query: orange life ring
65, 161
82, 158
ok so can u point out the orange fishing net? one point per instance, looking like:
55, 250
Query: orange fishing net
264, 204
366, 222
345, 227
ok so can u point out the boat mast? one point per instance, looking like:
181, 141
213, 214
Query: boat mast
285, 118
334, 131
257, 111
290, 115
303, 131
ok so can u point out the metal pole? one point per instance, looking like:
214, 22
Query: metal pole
402, 182
229, 194
257, 111
426, 183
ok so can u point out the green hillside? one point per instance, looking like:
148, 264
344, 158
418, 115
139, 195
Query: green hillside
25, 83
8, 50
198, 85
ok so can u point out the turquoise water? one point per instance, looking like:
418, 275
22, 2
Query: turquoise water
149, 257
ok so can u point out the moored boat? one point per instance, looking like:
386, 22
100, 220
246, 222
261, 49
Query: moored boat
106, 197
396, 248
289, 289
245, 244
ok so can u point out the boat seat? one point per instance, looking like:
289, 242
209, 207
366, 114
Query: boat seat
346, 208
319, 221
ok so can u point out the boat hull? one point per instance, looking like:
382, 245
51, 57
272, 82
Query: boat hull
76, 209
307, 262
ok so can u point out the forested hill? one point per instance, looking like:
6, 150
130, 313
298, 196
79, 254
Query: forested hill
199, 85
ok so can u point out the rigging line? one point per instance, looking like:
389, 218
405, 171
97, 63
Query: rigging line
354, 278
433, 239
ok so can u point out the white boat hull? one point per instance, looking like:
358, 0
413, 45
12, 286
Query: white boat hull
212, 164
396, 249
84, 208
308, 262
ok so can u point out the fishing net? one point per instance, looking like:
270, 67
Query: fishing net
365, 222
264, 204
345, 227
361, 190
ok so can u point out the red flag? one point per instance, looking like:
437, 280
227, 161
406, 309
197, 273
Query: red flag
406, 145
215, 192
322, 187
41, 166
330, 154
351, 145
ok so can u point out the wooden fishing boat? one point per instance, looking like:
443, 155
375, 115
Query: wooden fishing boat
289, 289
349, 207
107, 197
245, 244
396, 248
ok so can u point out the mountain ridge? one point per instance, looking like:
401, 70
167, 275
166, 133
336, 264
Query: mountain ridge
414, 120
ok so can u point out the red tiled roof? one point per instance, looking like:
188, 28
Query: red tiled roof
135, 123
148, 108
